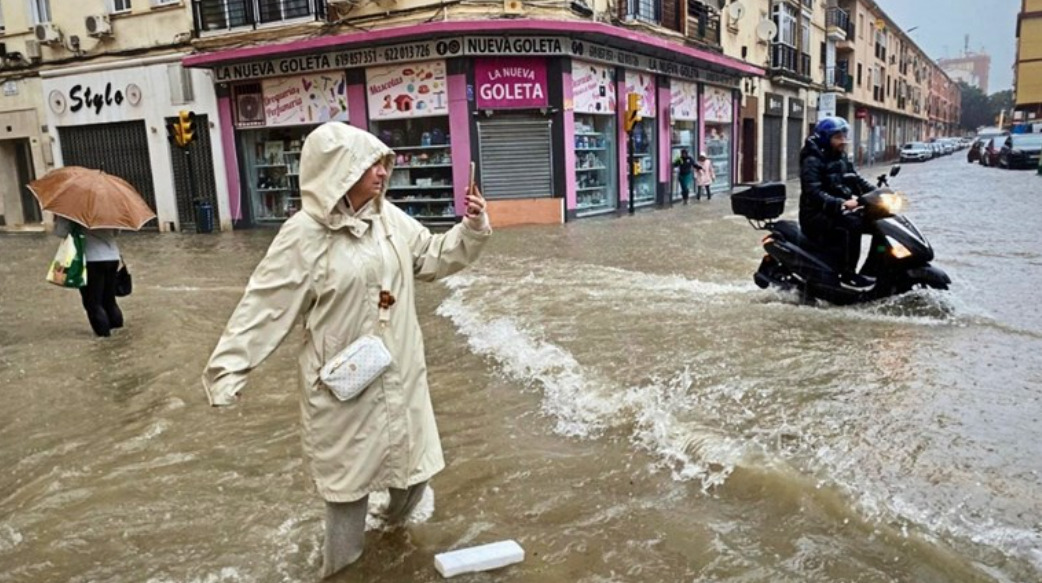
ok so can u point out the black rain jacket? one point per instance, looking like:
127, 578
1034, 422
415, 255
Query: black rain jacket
822, 189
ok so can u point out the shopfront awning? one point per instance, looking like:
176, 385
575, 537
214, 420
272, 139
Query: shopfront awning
582, 40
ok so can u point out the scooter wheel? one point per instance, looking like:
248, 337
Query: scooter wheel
761, 280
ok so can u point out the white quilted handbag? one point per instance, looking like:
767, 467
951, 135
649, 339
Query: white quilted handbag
356, 367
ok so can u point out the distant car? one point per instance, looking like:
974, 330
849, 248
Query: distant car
1021, 151
915, 152
989, 154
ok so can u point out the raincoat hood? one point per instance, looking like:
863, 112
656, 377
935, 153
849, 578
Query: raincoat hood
333, 159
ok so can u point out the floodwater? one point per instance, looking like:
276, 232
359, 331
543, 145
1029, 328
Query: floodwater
615, 394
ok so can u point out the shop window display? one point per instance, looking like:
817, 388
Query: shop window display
644, 140
718, 149
594, 164
421, 183
272, 170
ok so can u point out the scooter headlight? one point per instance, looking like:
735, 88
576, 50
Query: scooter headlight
898, 250
893, 203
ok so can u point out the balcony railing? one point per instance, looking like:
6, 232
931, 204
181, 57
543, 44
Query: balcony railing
787, 60
838, 20
837, 77
702, 24
217, 15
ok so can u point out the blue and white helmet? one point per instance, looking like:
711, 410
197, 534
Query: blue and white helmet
829, 127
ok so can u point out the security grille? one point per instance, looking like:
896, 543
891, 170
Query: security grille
794, 141
772, 148
117, 148
516, 158
202, 170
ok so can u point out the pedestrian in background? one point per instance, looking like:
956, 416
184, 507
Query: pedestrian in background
346, 267
706, 175
99, 295
685, 166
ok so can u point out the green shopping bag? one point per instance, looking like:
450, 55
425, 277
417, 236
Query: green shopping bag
69, 266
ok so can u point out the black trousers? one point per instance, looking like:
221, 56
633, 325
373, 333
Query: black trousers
99, 297
842, 241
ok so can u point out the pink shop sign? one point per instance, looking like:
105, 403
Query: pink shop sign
510, 83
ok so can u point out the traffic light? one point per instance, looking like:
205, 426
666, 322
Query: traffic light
632, 111
181, 132
186, 120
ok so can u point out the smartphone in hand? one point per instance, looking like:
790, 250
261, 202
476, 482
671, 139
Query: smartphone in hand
472, 211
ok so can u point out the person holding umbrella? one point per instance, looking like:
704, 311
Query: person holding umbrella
99, 204
99, 295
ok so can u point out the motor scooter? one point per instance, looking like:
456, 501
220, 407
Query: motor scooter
898, 258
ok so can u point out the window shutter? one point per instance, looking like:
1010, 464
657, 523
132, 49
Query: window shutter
515, 158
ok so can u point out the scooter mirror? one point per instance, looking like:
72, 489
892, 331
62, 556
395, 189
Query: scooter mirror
895, 170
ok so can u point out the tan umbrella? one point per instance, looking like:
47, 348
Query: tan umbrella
92, 198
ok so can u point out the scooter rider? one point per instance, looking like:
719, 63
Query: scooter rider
829, 187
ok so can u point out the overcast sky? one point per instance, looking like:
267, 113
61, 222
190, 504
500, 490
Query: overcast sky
944, 24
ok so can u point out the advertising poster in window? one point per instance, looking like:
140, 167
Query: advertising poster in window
404, 91
510, 83
593, 88
644, 85
684, 96
717, 106
305, 99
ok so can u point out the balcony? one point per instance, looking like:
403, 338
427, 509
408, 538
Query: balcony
703, 24
223, 15
837, 23
786, 61
838, 79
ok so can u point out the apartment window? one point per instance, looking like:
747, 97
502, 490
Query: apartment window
785, 18
647, 10
41, 10
859, 74
276, 10
805, 33
861, 26
119, 6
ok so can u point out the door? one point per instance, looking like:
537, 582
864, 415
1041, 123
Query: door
772, 148
748, 170
24, 167
793, 141
118, 148
515, 157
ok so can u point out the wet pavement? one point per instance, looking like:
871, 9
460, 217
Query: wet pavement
614, 393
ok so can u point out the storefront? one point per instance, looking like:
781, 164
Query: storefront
538, 115
114, 117
594, 143
718, 113
408, 108
683, 134
22, 153
271, 118
645, 137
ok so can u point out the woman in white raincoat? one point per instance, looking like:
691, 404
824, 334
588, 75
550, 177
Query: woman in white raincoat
327, 268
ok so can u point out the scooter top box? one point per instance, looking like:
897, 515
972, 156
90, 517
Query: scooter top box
760, 202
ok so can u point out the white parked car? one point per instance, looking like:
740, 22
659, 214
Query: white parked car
915, 152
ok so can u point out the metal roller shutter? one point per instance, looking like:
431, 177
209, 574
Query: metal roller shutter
794, 141
515, 158
772, 150
117, 148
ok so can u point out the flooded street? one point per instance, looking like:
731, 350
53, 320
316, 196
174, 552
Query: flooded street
615, 394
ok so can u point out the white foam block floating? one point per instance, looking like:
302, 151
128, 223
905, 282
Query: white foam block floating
482, 558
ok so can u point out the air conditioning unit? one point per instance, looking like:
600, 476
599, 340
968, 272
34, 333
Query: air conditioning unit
32, 50
98, 25
47, 33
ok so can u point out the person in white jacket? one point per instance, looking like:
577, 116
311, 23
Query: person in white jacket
101, 254
343, 267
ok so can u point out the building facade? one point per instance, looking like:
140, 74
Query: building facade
534, 94
93, 84
1027, 84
